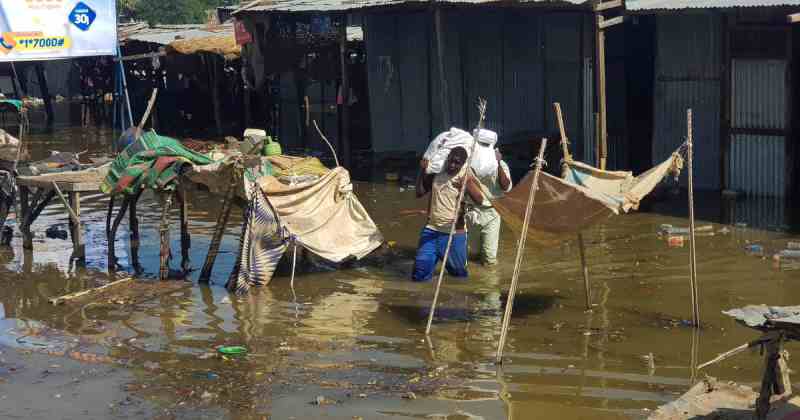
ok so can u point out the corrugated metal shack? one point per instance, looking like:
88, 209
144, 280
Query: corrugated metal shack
197, 71
731, 61
520, 55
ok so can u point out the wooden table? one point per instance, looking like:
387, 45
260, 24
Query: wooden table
36, 192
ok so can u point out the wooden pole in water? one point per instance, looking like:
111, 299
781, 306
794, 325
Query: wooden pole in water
512, 291
219, 230
345, 107
481, 119
692, 244
602, 140
565, 161
134, 232
166, 205
566, 157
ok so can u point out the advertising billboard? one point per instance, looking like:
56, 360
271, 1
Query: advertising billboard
52, 29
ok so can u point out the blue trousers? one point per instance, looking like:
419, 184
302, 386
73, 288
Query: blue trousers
432, 245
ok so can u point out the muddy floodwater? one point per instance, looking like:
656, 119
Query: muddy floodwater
350, 343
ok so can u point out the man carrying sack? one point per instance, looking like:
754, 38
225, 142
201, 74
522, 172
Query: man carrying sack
483, 221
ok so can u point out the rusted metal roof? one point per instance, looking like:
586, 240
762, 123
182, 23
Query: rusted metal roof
299, 6
653, 5
164, 35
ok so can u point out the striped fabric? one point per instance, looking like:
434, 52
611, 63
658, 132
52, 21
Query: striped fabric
262, 242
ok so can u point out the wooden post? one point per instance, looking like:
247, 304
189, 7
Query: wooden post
445, 99
180, 195
512, 291
566, 157
692, 244
109, 215
602, 141
219, 230
166, 205
345, 108
769, 381
48, 103
78, 247
34, 208
134, 232
213, 82
24, 209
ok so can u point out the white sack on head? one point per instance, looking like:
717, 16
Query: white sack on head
484, 163
441, 146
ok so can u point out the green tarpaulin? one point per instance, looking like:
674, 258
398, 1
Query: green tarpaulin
152, 161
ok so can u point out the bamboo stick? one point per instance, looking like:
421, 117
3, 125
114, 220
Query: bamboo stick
149, 109
60, 300
520, 249
72, 215
481, 119
692, 243
566, 157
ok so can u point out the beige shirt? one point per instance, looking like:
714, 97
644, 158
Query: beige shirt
443, 202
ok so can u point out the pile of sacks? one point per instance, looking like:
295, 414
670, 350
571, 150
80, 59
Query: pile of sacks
484, 163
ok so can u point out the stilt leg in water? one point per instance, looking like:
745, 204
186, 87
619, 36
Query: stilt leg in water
186, 243
166, 205
134, 234
78, 246
222, 222
109, 216
769, 382
24, 210
112, 234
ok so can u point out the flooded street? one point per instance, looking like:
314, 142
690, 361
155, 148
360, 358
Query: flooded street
350, 343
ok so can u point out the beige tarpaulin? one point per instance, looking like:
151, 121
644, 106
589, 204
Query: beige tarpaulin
325, 215
586, 196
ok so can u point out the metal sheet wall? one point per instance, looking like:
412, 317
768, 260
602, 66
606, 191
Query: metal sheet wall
758, 93
523, 87
451, 40
483, 65
672, 101
411, 56
384, 86
758, 101
688, 76
758, 165
497, 54
563, 69
688, 47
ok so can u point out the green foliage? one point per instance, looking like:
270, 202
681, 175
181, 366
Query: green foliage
168, 11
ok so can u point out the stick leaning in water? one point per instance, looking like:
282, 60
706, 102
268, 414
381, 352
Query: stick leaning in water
692, 244
482, 117
512, 291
